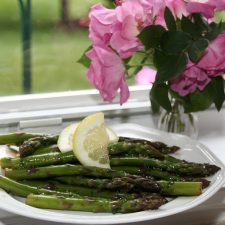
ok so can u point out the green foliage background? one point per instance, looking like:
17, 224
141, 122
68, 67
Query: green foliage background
55, 50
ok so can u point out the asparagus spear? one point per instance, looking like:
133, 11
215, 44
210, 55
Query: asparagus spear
153, 201
45, 159
160, 146
175, 166
88, 191
29, 146
181, 188
23, 190
39, 187
164, 187
19, 138
121, 148
157, 174
191, 169
52, 171
183, 168
62, 170
160, 175
61, 158
38, 160
46, 149
16, 138
125, 184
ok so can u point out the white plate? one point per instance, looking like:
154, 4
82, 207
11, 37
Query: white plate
190, 150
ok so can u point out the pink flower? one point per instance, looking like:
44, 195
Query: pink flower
118, 27
107, 73
152, 7
145, 76
101, 22
213, 60
205, 7
220, 4
197, 76
190, 80
177, 7
156, 7
131, 18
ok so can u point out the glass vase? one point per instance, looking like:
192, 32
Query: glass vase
177, 121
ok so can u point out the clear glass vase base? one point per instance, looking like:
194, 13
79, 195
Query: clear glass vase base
179, 122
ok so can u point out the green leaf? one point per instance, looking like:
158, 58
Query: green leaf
217, 89
127, 60
84, 60
201, 24
214, 30
223, 25
202, 100
138, 58
189, 27
169, 66
198, 101
150, 36
154, 105
174, 42
159, 95
197, 48
170, 20
110, 4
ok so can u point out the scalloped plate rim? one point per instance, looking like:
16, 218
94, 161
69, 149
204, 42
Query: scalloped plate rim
180, 204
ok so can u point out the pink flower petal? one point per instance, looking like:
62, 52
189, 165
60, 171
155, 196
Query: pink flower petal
145, 76
213, 59
190, 80
107, 73
206, 9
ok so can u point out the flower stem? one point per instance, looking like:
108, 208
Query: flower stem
137, 65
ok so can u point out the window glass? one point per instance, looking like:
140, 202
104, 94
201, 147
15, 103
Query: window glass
58, 40
57, 43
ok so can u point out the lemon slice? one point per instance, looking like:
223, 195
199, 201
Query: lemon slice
90, 141
113, 137
65, 141
66, 138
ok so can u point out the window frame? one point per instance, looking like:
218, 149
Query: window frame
68, 105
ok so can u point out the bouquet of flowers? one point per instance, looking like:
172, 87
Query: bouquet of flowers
175, 44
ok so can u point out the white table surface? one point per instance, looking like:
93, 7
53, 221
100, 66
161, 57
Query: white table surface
212, 134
